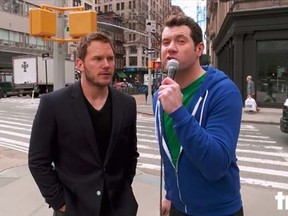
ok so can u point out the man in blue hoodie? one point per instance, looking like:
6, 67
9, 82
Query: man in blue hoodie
198, 117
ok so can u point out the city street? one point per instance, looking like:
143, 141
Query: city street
262, 153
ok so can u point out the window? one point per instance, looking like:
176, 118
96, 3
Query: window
134, 5
272, 71
4, 35
76, 2
87, 6
133, 61
118, 6
129, 4
122, 6
110, 7
133, 50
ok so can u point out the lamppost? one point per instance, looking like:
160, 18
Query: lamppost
45, 57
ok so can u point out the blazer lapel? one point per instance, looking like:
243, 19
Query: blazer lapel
79, 106
117, 117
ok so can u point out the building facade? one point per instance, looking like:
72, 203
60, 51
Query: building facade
243, 41
15, 39
14, 35
134, 14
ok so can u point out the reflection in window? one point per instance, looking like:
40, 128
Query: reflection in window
272, 70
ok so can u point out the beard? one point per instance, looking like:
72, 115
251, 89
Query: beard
95, 81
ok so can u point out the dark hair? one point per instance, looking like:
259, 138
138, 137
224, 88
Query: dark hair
86, 41
179, 20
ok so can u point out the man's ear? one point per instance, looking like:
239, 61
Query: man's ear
200, 49
79, 64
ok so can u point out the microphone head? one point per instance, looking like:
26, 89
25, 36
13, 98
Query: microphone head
172, 63
172, 66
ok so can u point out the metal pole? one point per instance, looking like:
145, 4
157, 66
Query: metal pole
161, 183
149, 97
46, 75
59, 52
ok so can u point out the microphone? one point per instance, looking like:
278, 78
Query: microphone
172, 66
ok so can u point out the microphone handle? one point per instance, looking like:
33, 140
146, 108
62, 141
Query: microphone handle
171, 73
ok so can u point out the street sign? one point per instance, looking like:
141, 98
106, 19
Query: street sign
45, 55
150, 25
148, 51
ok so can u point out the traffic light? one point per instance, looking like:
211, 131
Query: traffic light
150, 64
42, 22
82, 23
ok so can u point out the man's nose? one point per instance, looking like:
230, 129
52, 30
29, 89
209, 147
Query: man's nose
172, 47
106, 63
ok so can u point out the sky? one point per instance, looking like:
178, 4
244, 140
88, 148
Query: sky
189, 6
190, 9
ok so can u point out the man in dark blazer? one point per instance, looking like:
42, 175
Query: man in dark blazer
83, 147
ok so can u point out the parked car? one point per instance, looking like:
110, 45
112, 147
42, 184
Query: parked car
284, 118
7, 90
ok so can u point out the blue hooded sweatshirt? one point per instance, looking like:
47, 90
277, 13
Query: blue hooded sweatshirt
206, 178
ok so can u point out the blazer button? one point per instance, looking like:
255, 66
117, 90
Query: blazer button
98, 193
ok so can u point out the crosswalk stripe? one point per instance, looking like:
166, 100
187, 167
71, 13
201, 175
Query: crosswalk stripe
263, 161
253, 136
264, 171
146, 147
258, 140
276, 154
15, 123
15, 127
17, 119
255, 145
146, 135
259, 182
147, 141
15, 134
149, 156
148, 166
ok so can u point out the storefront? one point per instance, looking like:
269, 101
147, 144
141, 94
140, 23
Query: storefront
255, 43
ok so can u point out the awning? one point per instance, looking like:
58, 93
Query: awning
121, 74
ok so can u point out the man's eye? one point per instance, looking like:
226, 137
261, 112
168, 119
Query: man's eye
181, 41
165, 43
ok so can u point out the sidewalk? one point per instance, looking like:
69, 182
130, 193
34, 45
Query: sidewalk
19, 195
264, 116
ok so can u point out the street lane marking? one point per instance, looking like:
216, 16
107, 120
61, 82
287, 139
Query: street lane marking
17, 119
263, 161
264, 171
149, 156
15, 134
148, 166
15, 128
259, 182
276, 154
16, 123
258, 141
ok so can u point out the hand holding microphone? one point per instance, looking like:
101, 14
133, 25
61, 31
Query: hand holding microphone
169, 94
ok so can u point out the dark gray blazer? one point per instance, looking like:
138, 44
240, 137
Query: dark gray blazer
64, 159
